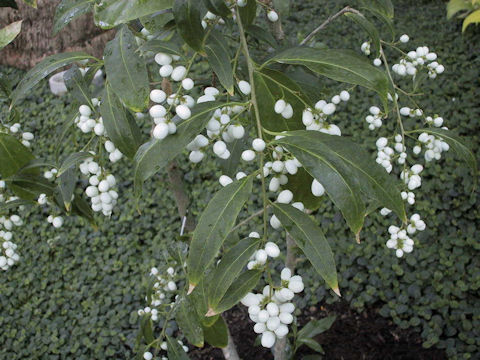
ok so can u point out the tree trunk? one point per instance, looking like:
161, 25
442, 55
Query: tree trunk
36, 40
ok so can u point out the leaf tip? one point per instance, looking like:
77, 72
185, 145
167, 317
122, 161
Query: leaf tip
336, 290
210, 312
191, 287
357, 237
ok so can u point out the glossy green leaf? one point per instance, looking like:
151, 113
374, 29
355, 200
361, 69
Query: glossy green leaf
310, 239
13, 155
119, 124
175, 350
13, 204
227, 271
45, 68
68, 10
66, 186
187, 14
218, 55
369, 28
346, 171
214, 225
110, 13
72, 160
217, 334
315, 327
217, 7
237, 291
271, 86
76, 84
152, 156
337, 64
248, 13
126, 70
9, 32
187, 321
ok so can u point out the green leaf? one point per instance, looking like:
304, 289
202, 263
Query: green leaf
5, 87
187, 321
228, 270
43, 69
13, 155
271, 86
384, 18
68, 10
261, 34
156, 154
72, 160
13, 204
312, 344
32, 3
110, 13
175, 350
384, 7
473, 18
337, 64
75, 83
189, 23
81, 208
311, 85
157, 46
218, 56
346, 171
119, 124
369, 28
66, 186
458, 145
248, 13
200, 302
126, 70
29, 186
146, 328
310, 240
217, 334
454, 6
300, 185
237, 291
315, 327
213, 227
217, 7
9, 32
230, 166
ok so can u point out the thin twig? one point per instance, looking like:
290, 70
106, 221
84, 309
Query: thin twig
239, 225
346, 9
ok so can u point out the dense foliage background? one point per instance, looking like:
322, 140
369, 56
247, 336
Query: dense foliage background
76, 290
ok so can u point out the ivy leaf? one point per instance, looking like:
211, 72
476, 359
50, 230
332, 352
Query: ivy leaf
310, 239
217, 334
9, 32
43, 69
13, 155
75, 82
156, 154
217, 7
218, 56
110, 13
227, 271
237, 291
346, 171
187, 14
175, 350
119, 124
126, 70
369, 28
337, 64
188, 323
213, 227
68, 10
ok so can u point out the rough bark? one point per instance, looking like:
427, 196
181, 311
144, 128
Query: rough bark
36, 39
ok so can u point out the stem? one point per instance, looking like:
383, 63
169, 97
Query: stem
248, 59
230, 351
346, 9
239, 225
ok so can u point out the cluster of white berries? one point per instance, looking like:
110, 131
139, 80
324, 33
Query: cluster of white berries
26, 137
399, 238
56, 221
374, 120
50, 174
272, 309
101, 189
164, 287
259, 258
221, 130
8, 255
434, 146
411, 177
283, 108
419, 57
316, 119
164, 346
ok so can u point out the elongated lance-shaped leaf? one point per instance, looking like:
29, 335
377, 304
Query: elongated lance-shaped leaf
217, 7
119, 124
188, 322
68, 10
384, 7
66, 186
72, 160
261, 34
161, 46
13, 204
187, 14
300, 185
9, 32
237, 291
13, 155
228, 270
199, 299
337, 64
75, 83
155, 154
248, 13
110, 13
213, 227
218, 56
175, 350
382, 17
217, 334
369, 28
29, 186
458, 145
45, 68
346, 171
310, 239
126, 70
